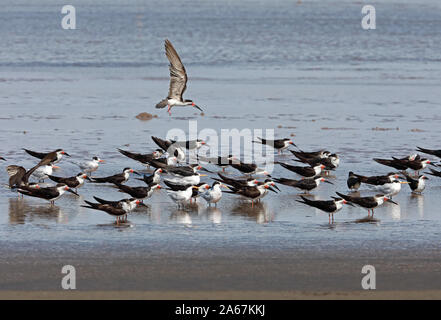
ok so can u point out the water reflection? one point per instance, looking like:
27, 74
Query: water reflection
416, 201
181, 217
260, 212
213, 214
21, 211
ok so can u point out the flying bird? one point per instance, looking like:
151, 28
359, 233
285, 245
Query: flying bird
178, 82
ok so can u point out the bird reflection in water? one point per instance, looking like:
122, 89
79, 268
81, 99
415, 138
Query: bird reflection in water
181, 217
22, 211
260, 212
213, 214
416, 201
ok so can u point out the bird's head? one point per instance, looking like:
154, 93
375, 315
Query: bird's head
191, 103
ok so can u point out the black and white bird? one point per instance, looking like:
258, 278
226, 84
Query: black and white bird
154, 178
118, 209
74, 182
278, 144
116, 178
311, 155
353, 182
180, 194
369, 203
50, 193
236, 183
178, 82
416, 185
328, 206
140, 193
143, 158
171, 147
44, 171
251, 193
307, 172
48, 157
222, 162
248, 168
305, 185
377, 180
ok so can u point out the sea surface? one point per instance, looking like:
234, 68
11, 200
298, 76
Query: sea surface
308, 71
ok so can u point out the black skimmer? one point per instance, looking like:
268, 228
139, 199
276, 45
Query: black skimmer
416, 164
154, 178
213, 194
178, 82
330, 162
377, 180
222, 162
74, 182
18, 176
90, 165
180, 194
353, 181
269, 183
186, 175
369, 203
190, 144
307, 172
138, 192
328, 206
116, 178
416, 185
50, 193
278, 144
436, 153
311, 155
434, 173
248, 168
143, 158
117, 209
391, 163
163, 163
306, 185
250, 182
171, 147
251, 193
48, 157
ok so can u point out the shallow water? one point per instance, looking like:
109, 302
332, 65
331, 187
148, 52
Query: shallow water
251, 65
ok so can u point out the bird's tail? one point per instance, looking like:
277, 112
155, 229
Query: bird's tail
162, 104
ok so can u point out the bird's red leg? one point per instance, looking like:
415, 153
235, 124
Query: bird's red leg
169, 110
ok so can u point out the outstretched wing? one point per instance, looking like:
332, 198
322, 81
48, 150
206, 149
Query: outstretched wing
39, 155
16, 174
178, 76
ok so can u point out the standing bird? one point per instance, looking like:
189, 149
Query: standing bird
178, 82
251, 193
43, 172
329, 206
278, 144
377, 180
143, 158
250, 182
18, 176
50, 193
74, 182
154, 178
91, 165
307, 172
222, 162
306, 185
138, 192
116, 178
48, 157
213, 194
369, 203
117, 209
170, 146
180, 194
353, 182
248, 168
416, 185
311, 155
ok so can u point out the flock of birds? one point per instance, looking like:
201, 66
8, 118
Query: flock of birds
183, 183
